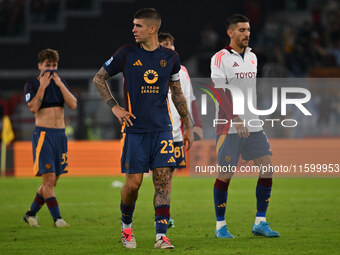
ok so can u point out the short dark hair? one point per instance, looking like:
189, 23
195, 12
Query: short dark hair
234, 19
165, 36
147, 13
48, 54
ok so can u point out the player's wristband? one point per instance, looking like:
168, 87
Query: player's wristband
112, 102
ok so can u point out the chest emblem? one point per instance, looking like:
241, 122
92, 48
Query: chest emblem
150, 76
138, 63
252, 61
235, 64
163, 63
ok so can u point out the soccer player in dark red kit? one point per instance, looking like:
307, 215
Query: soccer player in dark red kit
147, 141
236, 65
46, 96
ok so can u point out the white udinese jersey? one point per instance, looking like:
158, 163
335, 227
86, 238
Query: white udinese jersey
228, 67
189, 96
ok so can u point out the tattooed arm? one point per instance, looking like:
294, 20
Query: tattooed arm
180, 102
181, 106
100, 82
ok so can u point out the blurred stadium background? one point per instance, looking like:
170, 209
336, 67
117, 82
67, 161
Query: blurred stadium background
292, 38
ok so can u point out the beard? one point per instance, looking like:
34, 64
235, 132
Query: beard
244, 44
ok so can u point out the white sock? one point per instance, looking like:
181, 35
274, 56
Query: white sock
220, 224
158, 236
126, 225
259, 219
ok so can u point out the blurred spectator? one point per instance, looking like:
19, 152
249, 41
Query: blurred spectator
45, 11
335, 51
93, 129
12, 17
209, 38
325, 107
254, 12
271, 33
332, 5
79, 4
336, 106
299, 47
69, 129
53, 11
37, 11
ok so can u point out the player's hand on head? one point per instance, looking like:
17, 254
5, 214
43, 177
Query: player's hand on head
242, 130
198, 133
123, 115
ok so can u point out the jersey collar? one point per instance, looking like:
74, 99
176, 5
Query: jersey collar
141, 46
231, 50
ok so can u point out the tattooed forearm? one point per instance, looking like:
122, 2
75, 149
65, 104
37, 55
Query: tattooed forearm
100, 82
161, 181
180, 102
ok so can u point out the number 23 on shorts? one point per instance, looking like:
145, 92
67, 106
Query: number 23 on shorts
167, 144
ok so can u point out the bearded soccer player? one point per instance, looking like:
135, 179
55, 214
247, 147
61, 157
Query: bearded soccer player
147, 141
236, 65
46, 96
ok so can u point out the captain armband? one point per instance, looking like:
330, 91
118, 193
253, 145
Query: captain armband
174, 77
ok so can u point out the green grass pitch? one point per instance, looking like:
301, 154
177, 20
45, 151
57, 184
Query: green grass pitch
306, 212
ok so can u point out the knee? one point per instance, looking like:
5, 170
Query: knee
266, 175
132, 187
223, 179
48, 185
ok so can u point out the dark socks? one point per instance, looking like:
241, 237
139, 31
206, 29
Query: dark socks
220, 198
263, 191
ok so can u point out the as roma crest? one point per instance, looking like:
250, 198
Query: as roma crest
163, 63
